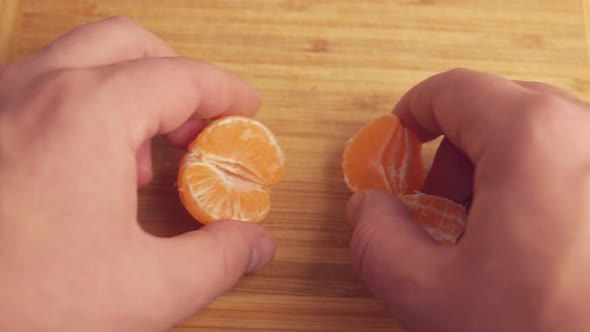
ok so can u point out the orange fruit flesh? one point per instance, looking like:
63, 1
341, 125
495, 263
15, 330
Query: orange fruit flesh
443, 219
228, 171
384, 155
244, 146
402, 161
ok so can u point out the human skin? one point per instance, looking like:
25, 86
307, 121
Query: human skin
76, 119
75, 122
521, 150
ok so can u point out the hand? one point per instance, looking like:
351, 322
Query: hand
75, 124
523, 262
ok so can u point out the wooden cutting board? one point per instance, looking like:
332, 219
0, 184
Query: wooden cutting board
323, 69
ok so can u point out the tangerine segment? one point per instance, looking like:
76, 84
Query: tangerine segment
242, 146
363, 157
403, 163
443, 219
210, 194
384, 155
228, 171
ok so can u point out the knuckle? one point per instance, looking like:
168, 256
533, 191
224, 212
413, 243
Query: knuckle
361, 241
121, 21
543, 118
54, 96
12, 73
66, 84
228, 269
458, 71
542, 103
6, 71
541, 87
543, 125
7, 74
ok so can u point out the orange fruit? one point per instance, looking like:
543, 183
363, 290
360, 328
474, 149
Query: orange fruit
385, 155
443, 219
228, 171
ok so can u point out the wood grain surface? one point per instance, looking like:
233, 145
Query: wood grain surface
323, 69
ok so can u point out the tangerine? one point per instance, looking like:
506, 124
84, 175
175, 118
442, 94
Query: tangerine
228, 171
385, 155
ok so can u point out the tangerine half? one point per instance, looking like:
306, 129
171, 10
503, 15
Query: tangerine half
385, 155
228, 171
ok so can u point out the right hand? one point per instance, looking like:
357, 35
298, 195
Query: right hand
522, 149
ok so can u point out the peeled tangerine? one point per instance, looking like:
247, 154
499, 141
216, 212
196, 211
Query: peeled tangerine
385, 155
228, 171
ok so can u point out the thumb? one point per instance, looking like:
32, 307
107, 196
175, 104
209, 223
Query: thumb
203, 264
394, 257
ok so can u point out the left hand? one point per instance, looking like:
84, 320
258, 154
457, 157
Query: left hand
75, 124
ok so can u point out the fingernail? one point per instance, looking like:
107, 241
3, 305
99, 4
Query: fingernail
262, 253
354, 208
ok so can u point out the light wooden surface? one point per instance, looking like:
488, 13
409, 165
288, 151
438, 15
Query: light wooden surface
323, 68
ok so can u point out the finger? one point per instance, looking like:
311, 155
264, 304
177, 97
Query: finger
550, 89
392, 255
186, 133
201, 265
469, 107
451, 174
160, 94
108, 41
144, 164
